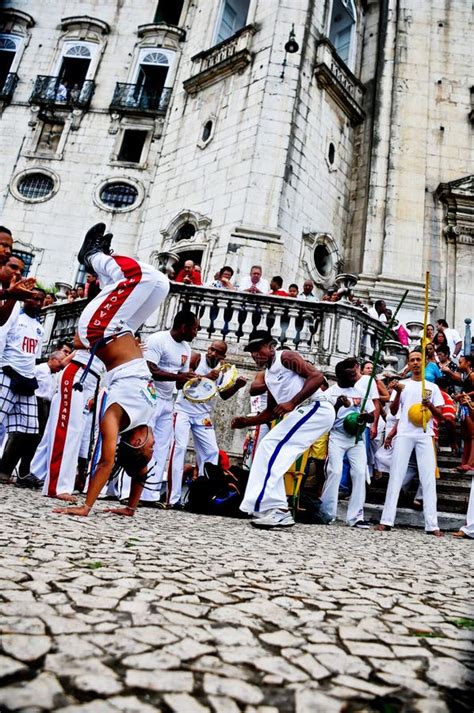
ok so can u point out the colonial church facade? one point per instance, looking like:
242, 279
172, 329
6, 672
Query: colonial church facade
313, 137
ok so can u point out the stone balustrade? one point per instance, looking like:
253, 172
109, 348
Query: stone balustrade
323, 332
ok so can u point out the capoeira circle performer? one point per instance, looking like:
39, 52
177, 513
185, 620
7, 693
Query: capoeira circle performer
131, 292
347, 396
197, 418
406, 395
168, 356
292, 383
56, 459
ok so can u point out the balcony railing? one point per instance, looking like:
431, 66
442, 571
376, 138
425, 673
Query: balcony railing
337, 79
51, 92
136, 99
8, 87
325, 332
228, 57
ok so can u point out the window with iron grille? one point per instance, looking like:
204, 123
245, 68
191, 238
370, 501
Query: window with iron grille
118, 195
27, 259
35, 185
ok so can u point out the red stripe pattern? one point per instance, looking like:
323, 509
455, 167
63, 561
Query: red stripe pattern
67, 382
115, 300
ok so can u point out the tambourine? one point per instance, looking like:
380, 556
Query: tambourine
415, 414
227, 377
199, 390
353, 425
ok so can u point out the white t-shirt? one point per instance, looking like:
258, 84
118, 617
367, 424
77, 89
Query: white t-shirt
410, 395
168, 355
452, 337
197, 410
4, 328
262, 285
46, 381
373, 313
23, 345
356, 395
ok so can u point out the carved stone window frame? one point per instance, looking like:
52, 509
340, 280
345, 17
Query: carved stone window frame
202, 239
310, 242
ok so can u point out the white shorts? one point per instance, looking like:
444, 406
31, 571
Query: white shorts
131, 387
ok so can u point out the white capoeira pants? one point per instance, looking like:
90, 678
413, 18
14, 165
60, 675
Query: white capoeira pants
205, 446
425, 456
163, 433
339, 446
278, 451
131, 292
468, 528
55, 460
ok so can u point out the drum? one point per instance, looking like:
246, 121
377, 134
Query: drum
199, 390
227, 377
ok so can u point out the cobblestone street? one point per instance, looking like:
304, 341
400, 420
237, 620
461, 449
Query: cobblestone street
178, 613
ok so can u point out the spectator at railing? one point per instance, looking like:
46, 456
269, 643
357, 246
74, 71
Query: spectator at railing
293, 290
330, 295
276, 284
222, 280
49, 300
80, 292
188, 275
308, 291
379, 311
254, 282
71, 295
439, 340
452, 337
92, 287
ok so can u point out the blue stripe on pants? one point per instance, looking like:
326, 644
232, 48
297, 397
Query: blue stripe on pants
277, 450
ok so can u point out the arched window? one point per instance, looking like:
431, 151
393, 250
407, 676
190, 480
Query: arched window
342, 30
75, 64
150, 77
155, 58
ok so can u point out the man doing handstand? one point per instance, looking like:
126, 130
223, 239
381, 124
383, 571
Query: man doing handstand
131, 292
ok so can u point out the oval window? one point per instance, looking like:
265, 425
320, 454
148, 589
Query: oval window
322, 260
207, 130
331, 153
118, 195
35, 185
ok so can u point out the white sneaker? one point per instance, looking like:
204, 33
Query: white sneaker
273, 518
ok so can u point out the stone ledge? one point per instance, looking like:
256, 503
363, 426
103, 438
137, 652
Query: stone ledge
228, 57
336, 78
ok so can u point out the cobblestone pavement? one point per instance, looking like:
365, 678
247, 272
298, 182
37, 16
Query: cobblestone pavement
178, 613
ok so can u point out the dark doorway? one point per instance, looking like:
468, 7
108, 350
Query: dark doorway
6, 61
150, 82
73, 71
169, 11
194, 255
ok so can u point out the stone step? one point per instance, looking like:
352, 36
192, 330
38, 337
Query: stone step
406, 517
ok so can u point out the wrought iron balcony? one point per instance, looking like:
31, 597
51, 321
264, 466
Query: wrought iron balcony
136, 99
51, 92
8, 87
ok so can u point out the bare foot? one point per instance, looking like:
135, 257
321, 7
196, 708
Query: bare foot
383, 528
126, 511
67, 497
435, 533
459, 534
79, 511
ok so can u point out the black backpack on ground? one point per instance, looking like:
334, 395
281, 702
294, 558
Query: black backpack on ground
218, 491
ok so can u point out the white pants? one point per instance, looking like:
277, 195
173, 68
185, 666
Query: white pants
55, 460
425, 456
131, 292
278, 451
205, 446
163, 432
468, 528
339, 446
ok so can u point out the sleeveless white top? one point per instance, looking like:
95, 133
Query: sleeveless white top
282, 383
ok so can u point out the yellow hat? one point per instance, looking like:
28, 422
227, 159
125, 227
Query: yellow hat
415, 414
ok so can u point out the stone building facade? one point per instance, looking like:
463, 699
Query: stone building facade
188, 128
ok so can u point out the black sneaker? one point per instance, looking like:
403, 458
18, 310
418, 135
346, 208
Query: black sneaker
94, 242
29, 481
362, 525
